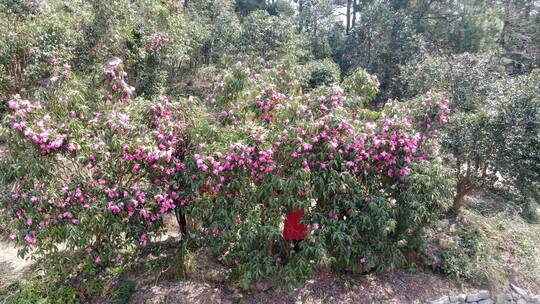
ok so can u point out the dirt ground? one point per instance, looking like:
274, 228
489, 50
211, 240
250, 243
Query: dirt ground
206, 285
399, 287
11, 266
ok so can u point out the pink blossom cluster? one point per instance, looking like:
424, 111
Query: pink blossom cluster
389, 151
321, 135
65, 72
268, 100
442, 108
117, 81
247, 159
156, 42
133, 183
335, 100
44, 132
47, 212
166, 154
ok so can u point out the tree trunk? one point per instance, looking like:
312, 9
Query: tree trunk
348, 28
458, 201
181, 219
355, 7
463, 188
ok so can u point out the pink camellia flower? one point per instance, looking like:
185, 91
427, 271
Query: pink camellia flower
12, 104
71, 147
143, 240
113, 208
30, 238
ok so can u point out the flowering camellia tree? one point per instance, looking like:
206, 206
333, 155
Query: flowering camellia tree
367, 186
92, 169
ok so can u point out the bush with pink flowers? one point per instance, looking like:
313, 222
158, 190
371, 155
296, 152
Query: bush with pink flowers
112, 165
367, 185
92, 171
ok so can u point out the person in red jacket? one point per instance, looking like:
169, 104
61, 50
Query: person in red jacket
293, 230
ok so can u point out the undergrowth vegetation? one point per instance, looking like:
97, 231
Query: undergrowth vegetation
489, 244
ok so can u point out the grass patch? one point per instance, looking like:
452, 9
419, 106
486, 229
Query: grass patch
488, 244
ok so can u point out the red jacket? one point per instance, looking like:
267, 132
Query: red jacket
293, 230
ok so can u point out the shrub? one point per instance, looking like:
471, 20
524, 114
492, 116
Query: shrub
271, 38
321, 73
461, 258
33, 46
105, 172
320, 47
516, 127
361, 84
367, 187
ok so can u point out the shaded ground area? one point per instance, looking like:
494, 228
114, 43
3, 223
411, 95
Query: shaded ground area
506, 245
324, 288
508, 252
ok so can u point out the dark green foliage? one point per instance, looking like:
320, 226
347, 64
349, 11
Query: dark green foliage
321, 73
245, 7
459, 261
125, 292
493, 134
